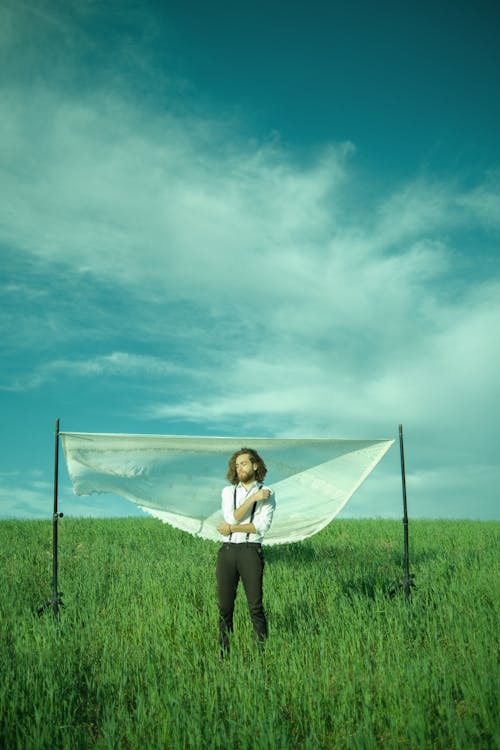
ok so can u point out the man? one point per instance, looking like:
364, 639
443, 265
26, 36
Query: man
248, 508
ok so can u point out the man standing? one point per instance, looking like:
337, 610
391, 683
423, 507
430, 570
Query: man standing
248, 509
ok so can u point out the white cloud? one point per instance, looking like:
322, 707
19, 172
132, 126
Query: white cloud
305, 312
342, 317
25, 497
150, 199
484, 202
114, 365
416, 209
178, 206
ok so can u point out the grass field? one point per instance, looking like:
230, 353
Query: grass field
133, 662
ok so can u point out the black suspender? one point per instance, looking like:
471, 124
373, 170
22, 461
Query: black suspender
251, 518
234, 506
254, 507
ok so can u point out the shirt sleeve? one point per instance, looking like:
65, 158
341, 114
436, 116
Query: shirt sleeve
263, 519
228, 505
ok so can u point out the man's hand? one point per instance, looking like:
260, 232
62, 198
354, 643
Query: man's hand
224, 528
260, 495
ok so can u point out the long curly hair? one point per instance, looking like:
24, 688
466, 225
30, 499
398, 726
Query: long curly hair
260, 473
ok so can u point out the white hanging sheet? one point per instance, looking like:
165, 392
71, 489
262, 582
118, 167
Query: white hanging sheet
179, 479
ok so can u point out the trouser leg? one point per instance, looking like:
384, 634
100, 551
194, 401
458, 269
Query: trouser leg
251, 568
227, 583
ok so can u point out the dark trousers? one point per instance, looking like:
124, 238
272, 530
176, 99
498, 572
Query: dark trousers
236, 561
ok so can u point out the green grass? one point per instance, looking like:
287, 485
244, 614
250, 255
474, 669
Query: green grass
133, 660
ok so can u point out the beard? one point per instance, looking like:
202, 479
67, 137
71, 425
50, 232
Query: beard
245, 476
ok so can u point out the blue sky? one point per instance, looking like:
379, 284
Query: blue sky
272, 219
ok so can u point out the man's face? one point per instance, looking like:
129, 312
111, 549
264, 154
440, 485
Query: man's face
245, 469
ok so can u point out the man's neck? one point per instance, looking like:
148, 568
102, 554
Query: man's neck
248, 485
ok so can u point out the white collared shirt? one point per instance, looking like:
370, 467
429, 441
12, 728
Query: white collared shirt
263, 515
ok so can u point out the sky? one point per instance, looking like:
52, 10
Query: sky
275, 219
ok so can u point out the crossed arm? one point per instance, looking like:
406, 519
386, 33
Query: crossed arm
225, 528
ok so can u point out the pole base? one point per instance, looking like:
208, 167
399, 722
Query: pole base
54, 604
404, 586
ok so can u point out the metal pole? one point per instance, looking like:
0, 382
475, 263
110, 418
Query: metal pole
407, 581
55, 601
55, 523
